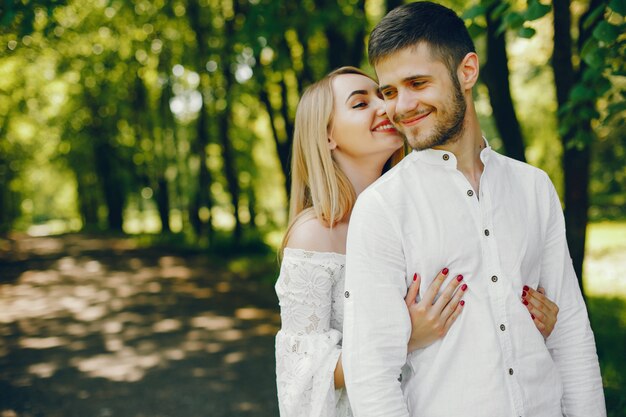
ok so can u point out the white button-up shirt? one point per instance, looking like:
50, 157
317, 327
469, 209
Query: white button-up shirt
423, 216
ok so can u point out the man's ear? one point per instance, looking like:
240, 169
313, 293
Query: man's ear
468, 71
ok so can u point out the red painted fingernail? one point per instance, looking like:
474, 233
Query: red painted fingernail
525, 287
459, 278
525, 302
444, 271
415, 277
464, 287
462, 302
532, 316
524, 293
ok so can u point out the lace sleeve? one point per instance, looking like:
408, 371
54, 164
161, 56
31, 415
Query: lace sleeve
307, 347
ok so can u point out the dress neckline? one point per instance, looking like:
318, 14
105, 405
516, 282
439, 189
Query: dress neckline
303, 253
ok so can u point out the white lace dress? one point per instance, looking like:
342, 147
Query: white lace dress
310, 291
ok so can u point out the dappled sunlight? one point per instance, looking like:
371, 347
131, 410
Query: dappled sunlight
75, 323
605, 260
209, 321
43, 370
251, 313
167, 325
42, 342
123, 365
247, 406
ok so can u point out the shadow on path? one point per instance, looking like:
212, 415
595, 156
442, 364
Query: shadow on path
94, 327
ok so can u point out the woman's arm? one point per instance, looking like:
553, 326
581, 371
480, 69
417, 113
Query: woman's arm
430, 321
339, 381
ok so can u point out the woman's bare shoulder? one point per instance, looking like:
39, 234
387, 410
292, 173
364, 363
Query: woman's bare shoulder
312, 235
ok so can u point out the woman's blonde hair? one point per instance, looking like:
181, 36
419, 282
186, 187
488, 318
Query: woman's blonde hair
318, 186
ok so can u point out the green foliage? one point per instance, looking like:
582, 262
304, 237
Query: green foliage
100, 104
608, 319
602, 54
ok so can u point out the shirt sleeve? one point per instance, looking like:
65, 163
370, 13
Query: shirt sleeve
376, 320
307, 348
571, 343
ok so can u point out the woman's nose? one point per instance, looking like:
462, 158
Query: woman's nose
381, 109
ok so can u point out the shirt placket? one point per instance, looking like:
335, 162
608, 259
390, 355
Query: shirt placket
497, 293
480, 209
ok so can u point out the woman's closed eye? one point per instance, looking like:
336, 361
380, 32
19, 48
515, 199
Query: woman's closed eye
359, 105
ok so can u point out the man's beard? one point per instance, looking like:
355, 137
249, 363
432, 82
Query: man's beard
447, 130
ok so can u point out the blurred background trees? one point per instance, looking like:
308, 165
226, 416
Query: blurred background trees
176, 117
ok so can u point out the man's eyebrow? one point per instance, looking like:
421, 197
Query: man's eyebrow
356, 92
405, 80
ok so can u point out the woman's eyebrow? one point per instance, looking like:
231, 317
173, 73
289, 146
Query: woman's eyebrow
356, 92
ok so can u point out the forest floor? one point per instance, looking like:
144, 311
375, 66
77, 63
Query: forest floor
96, 327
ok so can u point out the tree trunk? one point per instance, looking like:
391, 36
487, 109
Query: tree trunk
87, 202
163, 203
342, 50
225, 121
283, 147
495, 75
392, 4
112, 186
202, 196
576, 160
230, 169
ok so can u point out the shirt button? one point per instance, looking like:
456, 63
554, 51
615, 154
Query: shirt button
510, 371
494, 278
445, 156
486, 232
470, 193
502, 327
347, 294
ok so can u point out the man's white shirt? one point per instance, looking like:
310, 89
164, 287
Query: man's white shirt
423, 216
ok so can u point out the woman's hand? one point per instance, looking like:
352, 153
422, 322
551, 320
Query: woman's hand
431, 319
542, 310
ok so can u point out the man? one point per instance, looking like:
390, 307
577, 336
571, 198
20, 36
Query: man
457, 204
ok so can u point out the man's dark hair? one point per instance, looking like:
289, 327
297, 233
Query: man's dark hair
431, 23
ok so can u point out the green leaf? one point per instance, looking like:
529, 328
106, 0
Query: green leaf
588, 113
592, 74
513, 20
606, 32
475, 30
473, 12
536, 10
526, 32
591, 19
618, 6
614, 109
592, 54
581, 93
602, 85
499, 10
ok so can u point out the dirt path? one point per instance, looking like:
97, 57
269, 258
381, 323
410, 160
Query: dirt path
93, 327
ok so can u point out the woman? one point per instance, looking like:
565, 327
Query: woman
343, 141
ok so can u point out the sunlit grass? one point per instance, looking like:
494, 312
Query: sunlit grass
605, 260
607, 235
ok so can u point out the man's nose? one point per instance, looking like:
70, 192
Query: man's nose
406, 102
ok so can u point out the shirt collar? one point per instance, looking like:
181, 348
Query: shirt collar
447, 158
